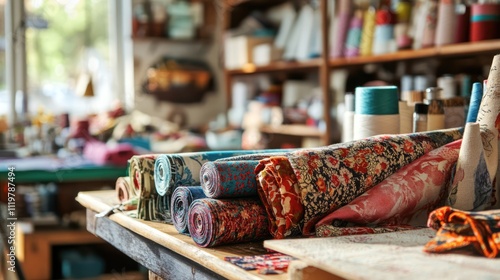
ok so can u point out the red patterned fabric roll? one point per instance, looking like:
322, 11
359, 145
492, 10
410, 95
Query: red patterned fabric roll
215, 222
327, 178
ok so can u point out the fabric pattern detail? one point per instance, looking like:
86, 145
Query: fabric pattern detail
405, 198
332, 176
272, 263
280, 193
215, 222
470, 232
224, 179
181, 200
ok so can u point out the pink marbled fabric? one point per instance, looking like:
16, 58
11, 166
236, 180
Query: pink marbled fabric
404, 198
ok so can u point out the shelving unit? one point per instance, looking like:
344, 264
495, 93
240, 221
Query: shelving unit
325, 65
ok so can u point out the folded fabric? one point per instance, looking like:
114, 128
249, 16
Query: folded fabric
330, 177
272, 263
183, 169
407, 197
182, 197
215, 222
476, 232
224, 179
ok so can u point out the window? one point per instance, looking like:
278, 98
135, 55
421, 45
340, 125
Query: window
70, 44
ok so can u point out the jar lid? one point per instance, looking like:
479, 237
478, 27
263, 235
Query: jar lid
421, 108
432, 93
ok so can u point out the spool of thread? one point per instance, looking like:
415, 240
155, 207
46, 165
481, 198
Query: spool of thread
405, 117
368, 31
402, 27
353, 39
462, 26
446, 21
454, 112
341, 27
348, 123
383, 40
406, 111
415, 96
447, 84
429, 34
376, 111
420, 82
475, 101
406, 87
484, 22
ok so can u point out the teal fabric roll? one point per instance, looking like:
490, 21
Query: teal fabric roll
183, 169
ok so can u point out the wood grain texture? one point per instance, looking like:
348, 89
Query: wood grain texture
163, 262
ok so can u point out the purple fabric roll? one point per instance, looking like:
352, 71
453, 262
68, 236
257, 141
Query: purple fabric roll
221, 179
182, 197
215, 222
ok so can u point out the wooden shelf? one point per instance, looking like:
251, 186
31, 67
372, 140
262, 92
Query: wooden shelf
169, 40
236, 10
462, 49
293, 129
278, 66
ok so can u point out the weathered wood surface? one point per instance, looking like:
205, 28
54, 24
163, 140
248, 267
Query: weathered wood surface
160, 248
397, 255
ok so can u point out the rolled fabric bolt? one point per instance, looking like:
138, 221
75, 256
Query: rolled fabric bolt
214, 222
182, 197
224, 179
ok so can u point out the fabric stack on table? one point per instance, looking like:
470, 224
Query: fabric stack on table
376, 184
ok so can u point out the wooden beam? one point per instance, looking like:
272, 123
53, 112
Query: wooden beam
162, 262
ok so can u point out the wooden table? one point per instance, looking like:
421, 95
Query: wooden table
170, 255
160, 248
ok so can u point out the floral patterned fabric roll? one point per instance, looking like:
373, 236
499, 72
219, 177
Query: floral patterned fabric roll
404, 198
224, 179
331, 177
280, 193
141, 172
182, 198
215, 222
467, 231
